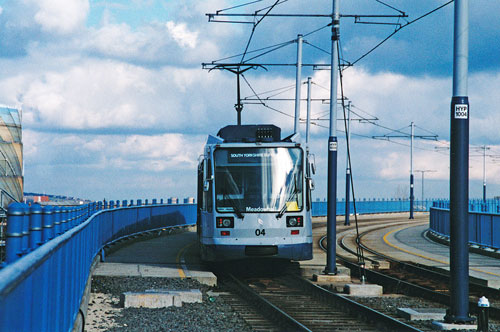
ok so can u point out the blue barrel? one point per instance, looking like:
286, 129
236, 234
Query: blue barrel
117, 202
35, 226
26, 229
111, 204
154, 201
146, 202
57, 220
139, 202
124, 203
131, 202
48, 223
14, 234
161, 201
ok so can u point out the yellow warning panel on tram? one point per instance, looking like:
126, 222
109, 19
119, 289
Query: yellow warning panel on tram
292, 206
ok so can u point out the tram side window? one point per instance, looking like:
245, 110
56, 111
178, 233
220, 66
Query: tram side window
207, 195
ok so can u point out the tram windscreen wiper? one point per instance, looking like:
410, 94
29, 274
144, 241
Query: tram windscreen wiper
285, 206
233, 205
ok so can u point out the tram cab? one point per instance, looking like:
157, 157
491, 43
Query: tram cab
254, 195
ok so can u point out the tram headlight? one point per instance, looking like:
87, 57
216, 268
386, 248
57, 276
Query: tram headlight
225, 222
294, 221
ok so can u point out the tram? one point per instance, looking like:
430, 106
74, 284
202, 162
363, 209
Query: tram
254, 195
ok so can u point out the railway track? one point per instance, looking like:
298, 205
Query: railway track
287, 302
411, 279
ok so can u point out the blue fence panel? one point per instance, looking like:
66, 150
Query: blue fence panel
484, 228
319, 208
42, 290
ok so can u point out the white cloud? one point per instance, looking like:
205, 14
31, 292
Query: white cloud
182, 35
61, 16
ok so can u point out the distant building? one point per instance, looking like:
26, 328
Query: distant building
11, 155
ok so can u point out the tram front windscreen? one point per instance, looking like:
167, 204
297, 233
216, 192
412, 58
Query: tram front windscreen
253, 180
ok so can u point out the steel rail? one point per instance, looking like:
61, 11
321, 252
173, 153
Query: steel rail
267, 307
343, 303
337, 301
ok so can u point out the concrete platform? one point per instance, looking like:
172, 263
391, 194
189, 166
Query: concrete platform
363, 290
168, 256
343, 275
160, 298
410, 243
441, 326
422, 313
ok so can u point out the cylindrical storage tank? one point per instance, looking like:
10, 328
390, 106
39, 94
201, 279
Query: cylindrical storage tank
35, 226
139, 202
154, 201
99, 205
26, 229
117, 203
111, 204
161, 201
48, 223
14, 234
124, 203
146, 202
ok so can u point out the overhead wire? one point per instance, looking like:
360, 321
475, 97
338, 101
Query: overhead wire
399, 29
255, 26
359, 249
238, 6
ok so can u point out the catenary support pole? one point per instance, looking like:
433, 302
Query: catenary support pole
412, 196
308, 119
298, 84
484, 172
332, 148
348, 169
459, 171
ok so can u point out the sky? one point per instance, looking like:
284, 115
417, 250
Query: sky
116, 104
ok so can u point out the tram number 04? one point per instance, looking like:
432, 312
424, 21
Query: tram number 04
259, 232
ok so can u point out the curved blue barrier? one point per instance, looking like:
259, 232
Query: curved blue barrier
42, 290
484, 228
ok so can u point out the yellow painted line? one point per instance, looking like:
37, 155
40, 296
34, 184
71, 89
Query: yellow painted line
178, 260
423, 256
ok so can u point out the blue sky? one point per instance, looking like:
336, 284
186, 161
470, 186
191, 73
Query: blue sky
115, 103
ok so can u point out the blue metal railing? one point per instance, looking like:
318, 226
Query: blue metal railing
365, 206
484, 228
475, 205
43, 282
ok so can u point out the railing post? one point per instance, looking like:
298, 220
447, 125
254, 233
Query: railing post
57, 220
26, 229
48, 223
35, 226
14, 234
64, 219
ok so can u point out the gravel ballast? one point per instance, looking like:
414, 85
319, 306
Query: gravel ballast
105, 314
